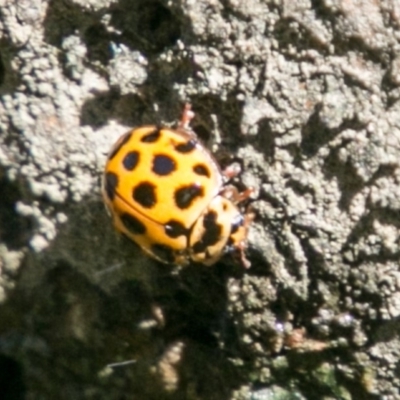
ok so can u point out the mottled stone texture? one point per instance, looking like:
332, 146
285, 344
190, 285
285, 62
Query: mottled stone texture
305, 94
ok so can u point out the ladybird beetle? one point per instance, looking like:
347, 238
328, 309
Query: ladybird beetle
166, 192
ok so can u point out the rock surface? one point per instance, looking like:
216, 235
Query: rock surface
306, 94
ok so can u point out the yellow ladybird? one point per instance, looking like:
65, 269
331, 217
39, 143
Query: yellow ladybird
166, 192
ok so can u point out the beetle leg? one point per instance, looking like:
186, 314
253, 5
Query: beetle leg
187, 116
248, 219
240, 247
232, 193
243, 259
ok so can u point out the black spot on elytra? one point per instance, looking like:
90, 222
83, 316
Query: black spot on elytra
130, 160
199, 247
201, 169
145, 194
185, 195
212, 233
237, 222
110, 184
163, 165
230, 242
212, 228
174, 229
163, 252
151, 137
121, 144
185, 147
133, 224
